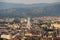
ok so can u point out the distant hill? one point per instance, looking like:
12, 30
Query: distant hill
29, 10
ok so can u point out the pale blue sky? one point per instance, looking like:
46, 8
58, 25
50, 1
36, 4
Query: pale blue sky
30, 1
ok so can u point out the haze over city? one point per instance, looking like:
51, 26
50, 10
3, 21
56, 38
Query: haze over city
30, 1
29, 19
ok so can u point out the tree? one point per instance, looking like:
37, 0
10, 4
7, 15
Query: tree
53, 35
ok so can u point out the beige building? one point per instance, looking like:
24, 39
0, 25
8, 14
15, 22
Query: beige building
56, 25
6, 36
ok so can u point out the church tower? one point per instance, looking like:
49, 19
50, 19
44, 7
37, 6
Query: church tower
29, 23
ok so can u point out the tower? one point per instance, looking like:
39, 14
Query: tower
29, 23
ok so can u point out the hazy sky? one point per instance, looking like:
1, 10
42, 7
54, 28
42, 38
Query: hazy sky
30, 1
